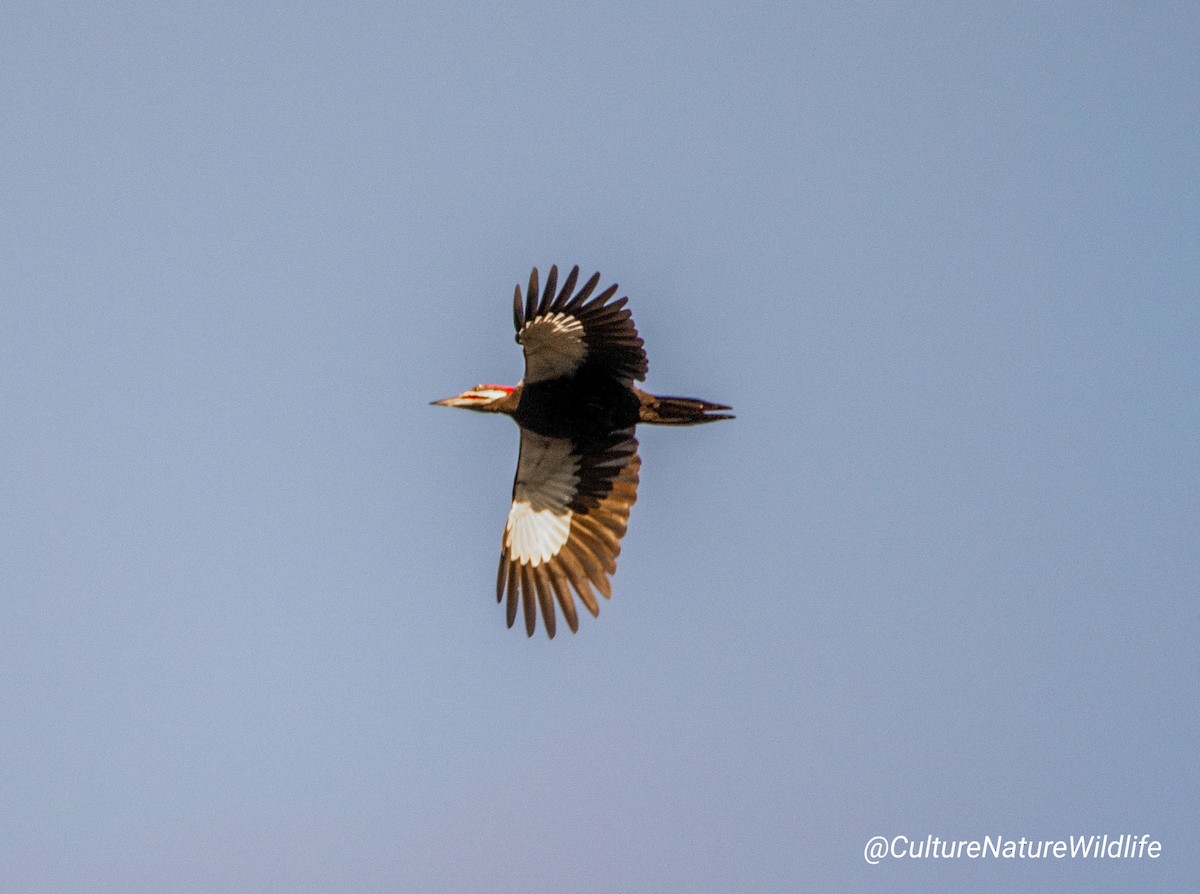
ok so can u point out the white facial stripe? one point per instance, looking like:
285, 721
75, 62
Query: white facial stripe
533, 536
554, 346
487, 395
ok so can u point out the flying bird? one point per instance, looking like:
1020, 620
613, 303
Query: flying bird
577, 475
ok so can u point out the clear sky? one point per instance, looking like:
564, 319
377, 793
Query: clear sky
938, 578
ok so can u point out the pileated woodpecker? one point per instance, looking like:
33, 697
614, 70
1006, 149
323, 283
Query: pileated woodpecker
577, 474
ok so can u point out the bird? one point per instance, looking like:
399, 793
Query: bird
577, 408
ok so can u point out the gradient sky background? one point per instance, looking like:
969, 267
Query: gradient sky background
939, 577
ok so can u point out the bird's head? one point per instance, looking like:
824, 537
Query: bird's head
481, 397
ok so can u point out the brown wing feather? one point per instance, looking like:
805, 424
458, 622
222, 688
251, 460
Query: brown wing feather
571, 506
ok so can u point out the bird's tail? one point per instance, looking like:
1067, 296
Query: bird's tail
679, 410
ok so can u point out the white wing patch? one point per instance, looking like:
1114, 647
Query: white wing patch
532, 536
539, 522
554, 346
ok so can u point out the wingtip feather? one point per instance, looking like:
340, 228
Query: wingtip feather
548, 291
531, 296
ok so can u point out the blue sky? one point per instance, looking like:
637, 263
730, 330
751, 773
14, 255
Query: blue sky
939, 577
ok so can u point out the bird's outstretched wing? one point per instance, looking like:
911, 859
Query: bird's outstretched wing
561, 331
570, 507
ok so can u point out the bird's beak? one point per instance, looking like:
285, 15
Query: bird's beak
478, 398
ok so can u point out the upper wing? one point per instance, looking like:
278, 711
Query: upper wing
560, 332
570, 506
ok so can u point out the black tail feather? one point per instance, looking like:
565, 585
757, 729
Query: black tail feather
679, 410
